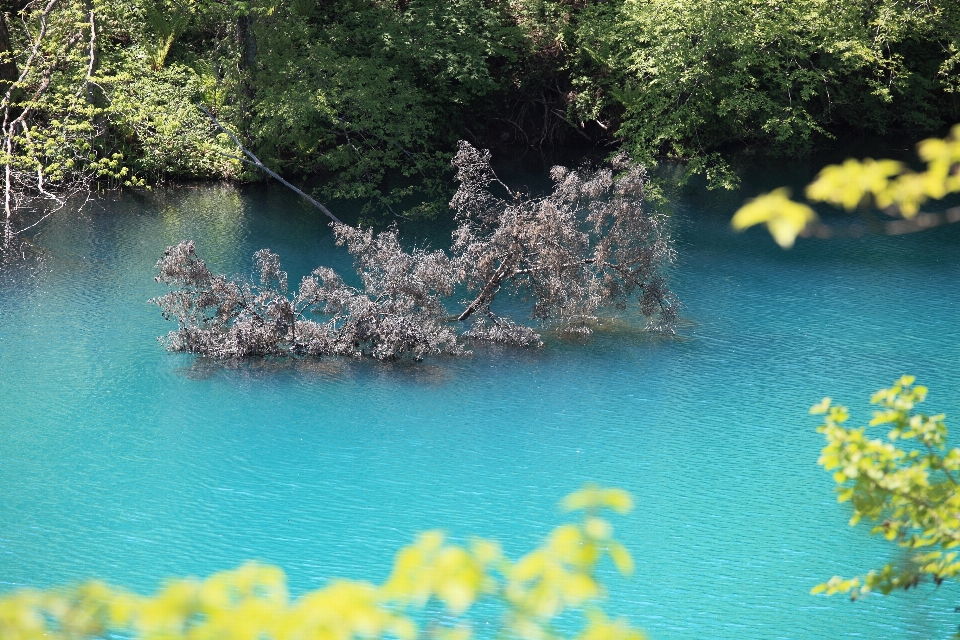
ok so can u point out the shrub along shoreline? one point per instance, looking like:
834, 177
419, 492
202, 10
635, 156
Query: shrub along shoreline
369, 97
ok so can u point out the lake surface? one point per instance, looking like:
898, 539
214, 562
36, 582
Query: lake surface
121, 461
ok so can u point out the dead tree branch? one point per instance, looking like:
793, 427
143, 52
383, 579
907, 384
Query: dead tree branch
590, 243
255, 161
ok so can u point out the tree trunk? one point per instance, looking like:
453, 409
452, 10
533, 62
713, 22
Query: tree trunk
93, 91
506, 270
247, 50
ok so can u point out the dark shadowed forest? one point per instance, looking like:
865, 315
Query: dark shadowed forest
369, 98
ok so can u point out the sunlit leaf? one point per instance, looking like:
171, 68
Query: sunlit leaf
784, 218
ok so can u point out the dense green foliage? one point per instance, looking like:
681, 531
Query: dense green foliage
453, 588
369, 96
82, 103
694, 78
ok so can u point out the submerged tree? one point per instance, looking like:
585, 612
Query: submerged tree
590, 243
569, 265
398, 313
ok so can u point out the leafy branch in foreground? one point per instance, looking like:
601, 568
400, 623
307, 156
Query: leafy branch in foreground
887, 184
911, 492
590, 243
555, 579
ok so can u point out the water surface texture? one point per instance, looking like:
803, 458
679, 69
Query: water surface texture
121, 461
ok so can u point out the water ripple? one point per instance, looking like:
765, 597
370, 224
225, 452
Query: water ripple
124, 462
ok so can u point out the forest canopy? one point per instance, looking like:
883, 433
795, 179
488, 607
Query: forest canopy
368, 97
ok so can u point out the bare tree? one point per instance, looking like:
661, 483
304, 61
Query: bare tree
225, 318
588, 244
49, 120
570, 264
397, 314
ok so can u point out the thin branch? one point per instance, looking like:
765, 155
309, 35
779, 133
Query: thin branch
33, 54
561, 115
922, 221
93, 47
256, 162
49, 213
938, 464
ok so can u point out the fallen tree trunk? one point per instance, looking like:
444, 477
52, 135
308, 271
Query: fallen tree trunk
569, 265
255, 161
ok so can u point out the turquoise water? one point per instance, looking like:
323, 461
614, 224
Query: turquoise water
124, 462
